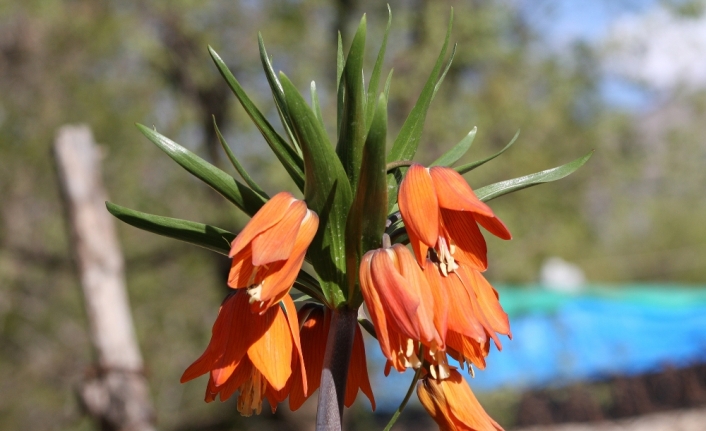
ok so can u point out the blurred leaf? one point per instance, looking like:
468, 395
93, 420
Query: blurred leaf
277, 94
340, 63
315, 104
327, 192
450, 157
351, 137
230, 188
236, 164
366, 219
285, 153
407, 141
443, 75
377, 69
388, 82
504, 187
405, 145
470, 166
203, 235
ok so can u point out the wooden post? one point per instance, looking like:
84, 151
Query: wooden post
118, 395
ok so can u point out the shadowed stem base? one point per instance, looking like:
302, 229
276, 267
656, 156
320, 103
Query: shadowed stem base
335, 373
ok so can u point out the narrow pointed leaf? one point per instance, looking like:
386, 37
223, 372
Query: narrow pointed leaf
285, 153
326, 191
315, 104
450, 157
230, 188
277, 93
340, 94
388, 82
366, 219
351, 137
377, 70
407, 141
470, 166
236, 164
307, 284
504, 187
443, 74
203, 235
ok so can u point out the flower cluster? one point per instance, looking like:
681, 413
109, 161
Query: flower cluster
425, 305
439, 303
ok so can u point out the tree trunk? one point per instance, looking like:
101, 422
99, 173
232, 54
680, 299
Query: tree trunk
117, 396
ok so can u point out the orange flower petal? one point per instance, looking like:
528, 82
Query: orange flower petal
293, 322
373, 303
241, 374
493, 225
266, 217
271, 353
236, 342
489, 303
416, 280
461, 319
454, 193
241, 269
419, 206
314, 333
358, 373
277, 242
465, 235
451, 403
441, 298
400, 304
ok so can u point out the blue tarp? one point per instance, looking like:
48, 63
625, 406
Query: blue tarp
604, 331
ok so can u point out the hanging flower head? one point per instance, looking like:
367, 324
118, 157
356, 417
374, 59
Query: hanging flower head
441, 211
269, 252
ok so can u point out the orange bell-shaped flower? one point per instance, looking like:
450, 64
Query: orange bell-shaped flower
401, 305
251, 353
269, 252
441, 211
314, 334
452, 405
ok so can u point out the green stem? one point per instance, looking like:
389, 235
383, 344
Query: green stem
403, 404
398, 164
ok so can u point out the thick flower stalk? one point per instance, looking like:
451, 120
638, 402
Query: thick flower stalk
425, 305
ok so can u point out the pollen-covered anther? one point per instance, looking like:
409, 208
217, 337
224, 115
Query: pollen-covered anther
410, 354
250, 398
447, 263
255, 292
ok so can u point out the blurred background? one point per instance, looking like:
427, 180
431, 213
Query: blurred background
604, 279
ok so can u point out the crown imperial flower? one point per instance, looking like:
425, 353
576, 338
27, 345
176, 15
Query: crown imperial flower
441, 211
257, 362
269, 252
453, 406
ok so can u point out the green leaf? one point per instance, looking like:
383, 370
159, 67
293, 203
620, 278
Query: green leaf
315, 104
277, 94
230, 188
388, 82
407, 141
443, 75
285, 153
236, 164
351, 137
470, 166
340, 63
366, 219
504, 187
203, 235
327, 192
450, 157
377, 69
